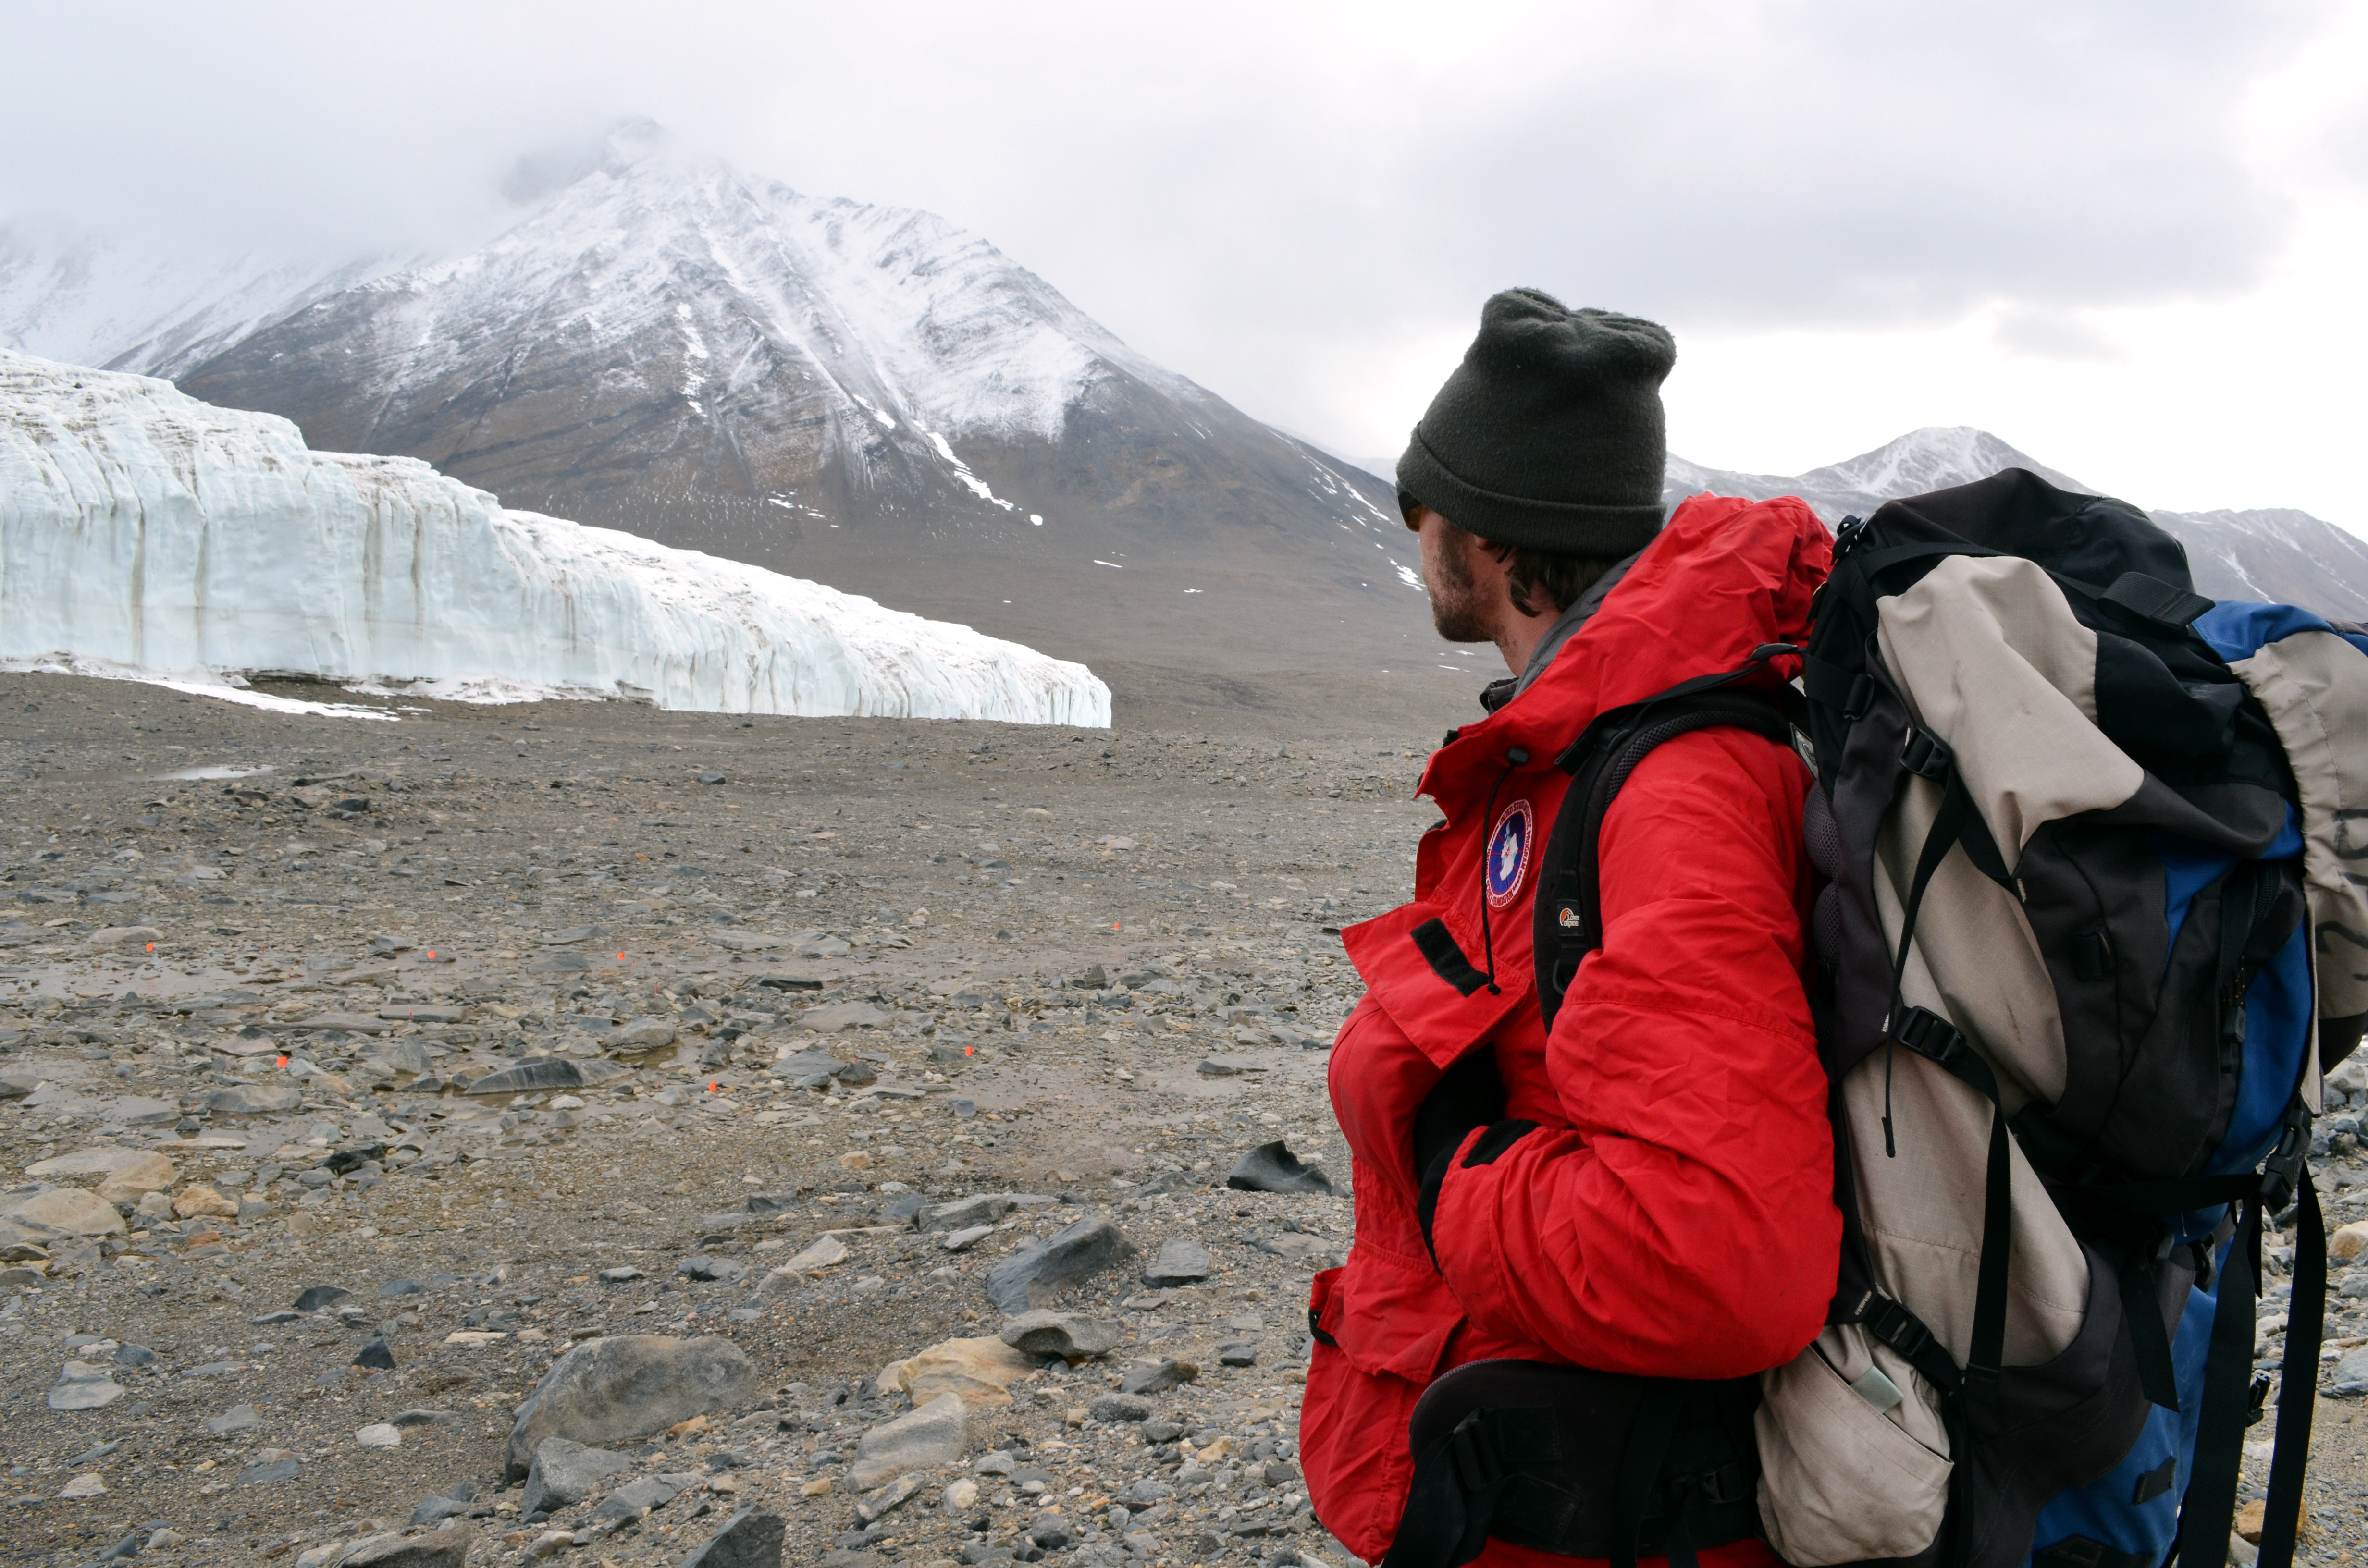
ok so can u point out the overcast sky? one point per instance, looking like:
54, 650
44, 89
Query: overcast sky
2126, 237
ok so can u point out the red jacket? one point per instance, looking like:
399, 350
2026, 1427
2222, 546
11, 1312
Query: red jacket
1673, 1215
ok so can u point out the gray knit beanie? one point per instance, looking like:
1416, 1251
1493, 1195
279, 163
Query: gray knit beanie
1550, 435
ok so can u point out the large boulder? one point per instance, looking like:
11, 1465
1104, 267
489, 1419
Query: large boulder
1180, 1262
564, 1474
627, 1386
933, 1435
137, 1177
1036, 1276
748, 1539
447, 1546
1066, 1334
68, 1209
978, 1370
1272, 1167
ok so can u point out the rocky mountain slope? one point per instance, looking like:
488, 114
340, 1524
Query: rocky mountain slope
2282, 556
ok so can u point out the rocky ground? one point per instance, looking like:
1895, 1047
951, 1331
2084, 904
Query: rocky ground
1088, 970
822, 1071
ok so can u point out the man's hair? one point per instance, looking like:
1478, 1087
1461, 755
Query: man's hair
1559, 578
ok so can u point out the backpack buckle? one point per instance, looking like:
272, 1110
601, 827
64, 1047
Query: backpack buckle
1926, 755
1893, 1323
1930, 1035
1728, 1483
1473, 1451
2281, 1173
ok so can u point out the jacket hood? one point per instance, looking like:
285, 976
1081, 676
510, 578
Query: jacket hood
1725, 576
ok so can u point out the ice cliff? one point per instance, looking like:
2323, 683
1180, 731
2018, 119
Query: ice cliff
141, 527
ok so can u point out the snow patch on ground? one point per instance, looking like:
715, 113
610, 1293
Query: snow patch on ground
144, 529
195, 682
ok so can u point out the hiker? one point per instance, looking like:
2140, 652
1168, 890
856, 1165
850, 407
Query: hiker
1643, 1190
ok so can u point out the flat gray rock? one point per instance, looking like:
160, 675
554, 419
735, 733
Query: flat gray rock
1179, 1262
640, 1035
409, 1013
635, 1498
564, 1472
237, 1418
627, 1386
1158, 1377
724, 1270
446, 1546
546, 1072
933, 1435
402, 1056
70, 1208
1036, 1276
2350, 1377
842, 1015
85, 1386
749, 1539
1043, 1333
984, 1208
345, 1023
1272, 1167
253, 1100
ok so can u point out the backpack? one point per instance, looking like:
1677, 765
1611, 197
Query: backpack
2086, 940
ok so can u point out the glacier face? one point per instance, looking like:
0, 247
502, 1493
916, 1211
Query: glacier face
141, 527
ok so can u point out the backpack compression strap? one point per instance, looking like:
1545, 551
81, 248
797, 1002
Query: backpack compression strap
2230, 1405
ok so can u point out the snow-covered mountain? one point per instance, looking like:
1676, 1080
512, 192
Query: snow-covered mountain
872, 397
2282, 556
865, 395
142, 527
103, 303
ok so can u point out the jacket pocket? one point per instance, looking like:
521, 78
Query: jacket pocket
1352, 1434
1853, 1461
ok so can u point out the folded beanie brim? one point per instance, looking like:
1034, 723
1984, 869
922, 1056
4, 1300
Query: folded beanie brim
1608, 531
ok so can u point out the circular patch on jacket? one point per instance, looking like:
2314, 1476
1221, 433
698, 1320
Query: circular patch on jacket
1509, 854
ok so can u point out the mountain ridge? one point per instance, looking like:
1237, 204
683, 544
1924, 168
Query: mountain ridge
2278, 554
873, 397
862, 395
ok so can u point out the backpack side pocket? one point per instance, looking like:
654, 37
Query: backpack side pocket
1854, 1463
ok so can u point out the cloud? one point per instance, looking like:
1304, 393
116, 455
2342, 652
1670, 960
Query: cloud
1272, 199
2054, 334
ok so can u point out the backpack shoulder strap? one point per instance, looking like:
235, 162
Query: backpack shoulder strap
1567, 920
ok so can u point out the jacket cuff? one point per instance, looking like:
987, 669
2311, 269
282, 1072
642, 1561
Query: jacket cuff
1484, 1148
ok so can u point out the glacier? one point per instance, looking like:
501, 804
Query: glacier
142, 527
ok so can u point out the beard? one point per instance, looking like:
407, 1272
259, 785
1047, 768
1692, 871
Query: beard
1455, 595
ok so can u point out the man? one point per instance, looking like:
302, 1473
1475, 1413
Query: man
1646, 1189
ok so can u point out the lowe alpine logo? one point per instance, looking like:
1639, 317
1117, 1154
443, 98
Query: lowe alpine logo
1509, 854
